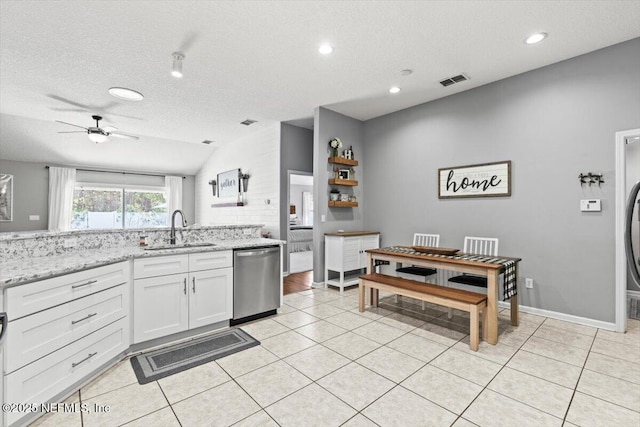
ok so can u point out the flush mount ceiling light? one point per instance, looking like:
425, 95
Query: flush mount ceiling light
325, 49
535, 38
394, 89
176, 70
126, 94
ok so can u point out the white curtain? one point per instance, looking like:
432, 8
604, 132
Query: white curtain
62, 182
174, 194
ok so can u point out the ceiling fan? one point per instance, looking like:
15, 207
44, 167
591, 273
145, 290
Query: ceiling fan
98, 134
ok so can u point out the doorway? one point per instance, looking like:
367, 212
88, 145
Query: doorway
627, 171
300, 224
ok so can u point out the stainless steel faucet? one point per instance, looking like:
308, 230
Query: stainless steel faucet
172, 236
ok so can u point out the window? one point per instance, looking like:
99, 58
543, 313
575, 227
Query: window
101, 206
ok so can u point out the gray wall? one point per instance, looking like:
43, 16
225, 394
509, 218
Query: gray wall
31, 192
328, 125
30, 195
553, 123
296, 154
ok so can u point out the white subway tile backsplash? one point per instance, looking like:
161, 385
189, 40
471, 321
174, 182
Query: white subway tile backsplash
259, 156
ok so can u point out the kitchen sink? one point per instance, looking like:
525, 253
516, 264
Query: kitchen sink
179, 246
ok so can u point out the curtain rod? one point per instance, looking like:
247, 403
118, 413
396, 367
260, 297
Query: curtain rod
122, 173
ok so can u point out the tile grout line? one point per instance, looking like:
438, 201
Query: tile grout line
497, 373
575, 389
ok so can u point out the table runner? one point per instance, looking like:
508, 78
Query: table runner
509, 285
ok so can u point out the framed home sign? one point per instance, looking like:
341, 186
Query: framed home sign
229, 183
483, 180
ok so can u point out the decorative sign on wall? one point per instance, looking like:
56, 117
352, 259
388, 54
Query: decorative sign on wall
483, 180
229, 183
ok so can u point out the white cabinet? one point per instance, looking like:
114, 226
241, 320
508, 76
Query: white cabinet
160, 306
180, 292
211, 298
62, 330
345, 252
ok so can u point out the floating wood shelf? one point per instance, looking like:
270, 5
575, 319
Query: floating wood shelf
339, 204
227, 205
343, 161
347, 182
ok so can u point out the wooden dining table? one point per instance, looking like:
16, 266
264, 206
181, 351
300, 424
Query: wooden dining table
456, 263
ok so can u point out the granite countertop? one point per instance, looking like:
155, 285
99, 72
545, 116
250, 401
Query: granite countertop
29, 269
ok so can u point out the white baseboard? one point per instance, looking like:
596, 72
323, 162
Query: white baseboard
610, 326
318, 284
285, 273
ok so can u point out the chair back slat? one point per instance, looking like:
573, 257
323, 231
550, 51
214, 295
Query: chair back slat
481, 245
430, 240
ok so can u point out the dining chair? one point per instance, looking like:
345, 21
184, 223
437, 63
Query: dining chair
414, 272
420, 239
478, 246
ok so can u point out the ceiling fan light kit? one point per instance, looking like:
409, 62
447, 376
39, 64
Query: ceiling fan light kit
98, 134
176, 70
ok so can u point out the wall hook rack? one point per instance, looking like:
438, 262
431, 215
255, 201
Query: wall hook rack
591, 178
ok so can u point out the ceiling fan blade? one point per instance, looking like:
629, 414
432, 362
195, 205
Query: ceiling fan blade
123, 135
71, 124
75, 131
109, 129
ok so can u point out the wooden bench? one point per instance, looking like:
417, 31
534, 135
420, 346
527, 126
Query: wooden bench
471, 302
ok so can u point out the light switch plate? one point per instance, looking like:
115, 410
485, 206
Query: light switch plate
34, 217
590, 205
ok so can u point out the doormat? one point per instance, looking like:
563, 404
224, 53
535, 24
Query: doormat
170, 360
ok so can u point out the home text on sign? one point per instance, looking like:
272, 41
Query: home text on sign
483, 180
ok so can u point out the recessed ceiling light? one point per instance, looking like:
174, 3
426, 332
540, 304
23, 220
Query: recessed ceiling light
406, 72
394, 89
325, 49
126, 94
535, 38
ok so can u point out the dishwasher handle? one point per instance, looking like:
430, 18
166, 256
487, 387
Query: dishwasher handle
257, 252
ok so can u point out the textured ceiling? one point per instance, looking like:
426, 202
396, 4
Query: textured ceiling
258, 60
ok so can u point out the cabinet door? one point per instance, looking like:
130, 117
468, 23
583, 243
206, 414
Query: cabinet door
351, 254
160, 306
366, 243
210, 296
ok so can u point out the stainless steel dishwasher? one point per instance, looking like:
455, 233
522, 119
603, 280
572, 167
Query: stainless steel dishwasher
256, 283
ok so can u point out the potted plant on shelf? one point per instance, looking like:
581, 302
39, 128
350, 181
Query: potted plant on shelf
335, 144
334, 195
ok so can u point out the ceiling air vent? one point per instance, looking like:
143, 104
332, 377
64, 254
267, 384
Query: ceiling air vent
248, 122
207, 141
455, 79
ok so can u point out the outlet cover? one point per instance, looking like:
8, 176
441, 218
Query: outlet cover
528, 283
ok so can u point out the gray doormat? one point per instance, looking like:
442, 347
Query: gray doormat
170, 360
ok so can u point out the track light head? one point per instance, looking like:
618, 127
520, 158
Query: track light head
176, 70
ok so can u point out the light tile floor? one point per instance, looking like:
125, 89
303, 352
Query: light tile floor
322, 363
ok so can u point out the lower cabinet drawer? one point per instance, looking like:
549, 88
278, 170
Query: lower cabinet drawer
210, 260
33, 297
35, 336
40, 381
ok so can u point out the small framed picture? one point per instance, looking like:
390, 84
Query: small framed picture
343, 174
